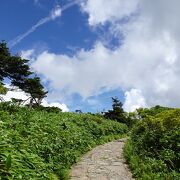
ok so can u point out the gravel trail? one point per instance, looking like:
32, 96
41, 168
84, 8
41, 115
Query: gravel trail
105, 162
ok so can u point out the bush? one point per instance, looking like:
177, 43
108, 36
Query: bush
8, 107
153, 150
41, 145
47, 109
152, 111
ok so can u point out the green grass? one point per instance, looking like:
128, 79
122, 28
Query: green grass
41, 145
153, 150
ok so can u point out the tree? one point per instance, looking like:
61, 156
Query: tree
33, 87
12, 67
117, 112
17, 70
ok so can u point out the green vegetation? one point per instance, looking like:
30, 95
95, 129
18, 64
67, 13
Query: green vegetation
142, 113
36, 144
153, 150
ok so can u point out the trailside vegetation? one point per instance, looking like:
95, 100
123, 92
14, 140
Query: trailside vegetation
36, 144
153, 150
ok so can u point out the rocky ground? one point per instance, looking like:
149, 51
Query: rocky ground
105, 162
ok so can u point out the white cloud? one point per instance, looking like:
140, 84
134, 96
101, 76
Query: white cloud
19, 94
148, 60
63, 107
101, 11
149, 67
134, 100
27, 54
56, 12
86, 73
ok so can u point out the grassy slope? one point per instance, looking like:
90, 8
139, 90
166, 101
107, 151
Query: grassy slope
153, 150
41, 145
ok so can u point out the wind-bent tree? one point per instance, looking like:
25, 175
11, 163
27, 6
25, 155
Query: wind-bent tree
34, 88
17, 70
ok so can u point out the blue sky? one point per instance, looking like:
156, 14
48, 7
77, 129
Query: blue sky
71, 29
95, 50
65, 35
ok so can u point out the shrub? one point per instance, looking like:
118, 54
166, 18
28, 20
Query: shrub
47, 109
153, 150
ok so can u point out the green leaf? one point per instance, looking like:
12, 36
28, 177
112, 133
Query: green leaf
8, 162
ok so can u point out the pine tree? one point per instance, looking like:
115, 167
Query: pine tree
117, 112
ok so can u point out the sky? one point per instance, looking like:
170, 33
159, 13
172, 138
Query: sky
87, 51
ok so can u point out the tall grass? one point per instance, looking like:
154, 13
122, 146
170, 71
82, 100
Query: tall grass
42, 145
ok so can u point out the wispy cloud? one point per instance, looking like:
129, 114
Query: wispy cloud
55, 13
36, 1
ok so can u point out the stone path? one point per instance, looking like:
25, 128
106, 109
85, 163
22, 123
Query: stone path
105, 162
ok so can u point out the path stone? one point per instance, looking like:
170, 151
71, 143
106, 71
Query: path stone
105, 162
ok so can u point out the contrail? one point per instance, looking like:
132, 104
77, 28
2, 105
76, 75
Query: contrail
55, 13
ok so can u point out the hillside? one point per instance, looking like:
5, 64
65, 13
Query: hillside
41, 145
